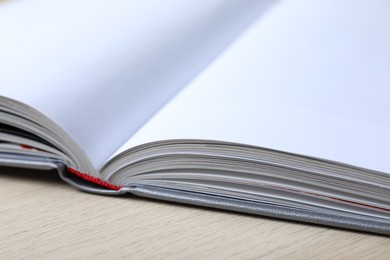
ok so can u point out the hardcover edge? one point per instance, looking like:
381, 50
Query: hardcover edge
244, 206
205, 200
261, 209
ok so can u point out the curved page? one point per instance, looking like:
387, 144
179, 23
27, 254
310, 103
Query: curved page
310, 78
101, 68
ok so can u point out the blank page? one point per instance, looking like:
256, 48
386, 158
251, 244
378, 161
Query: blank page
101, 68
311, 77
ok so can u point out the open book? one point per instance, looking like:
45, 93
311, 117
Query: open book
280, 109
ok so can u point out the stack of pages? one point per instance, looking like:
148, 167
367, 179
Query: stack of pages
279, 109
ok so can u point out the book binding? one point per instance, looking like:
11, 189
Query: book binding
203, 200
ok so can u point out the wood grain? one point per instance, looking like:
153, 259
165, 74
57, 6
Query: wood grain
41, 217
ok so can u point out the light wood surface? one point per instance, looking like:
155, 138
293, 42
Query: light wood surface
42, 217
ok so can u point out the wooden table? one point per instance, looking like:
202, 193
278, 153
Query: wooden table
42, 217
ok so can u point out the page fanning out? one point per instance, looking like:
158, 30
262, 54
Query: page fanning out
310, 77
101, 68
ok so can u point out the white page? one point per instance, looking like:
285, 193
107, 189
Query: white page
101, 68
310, 77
